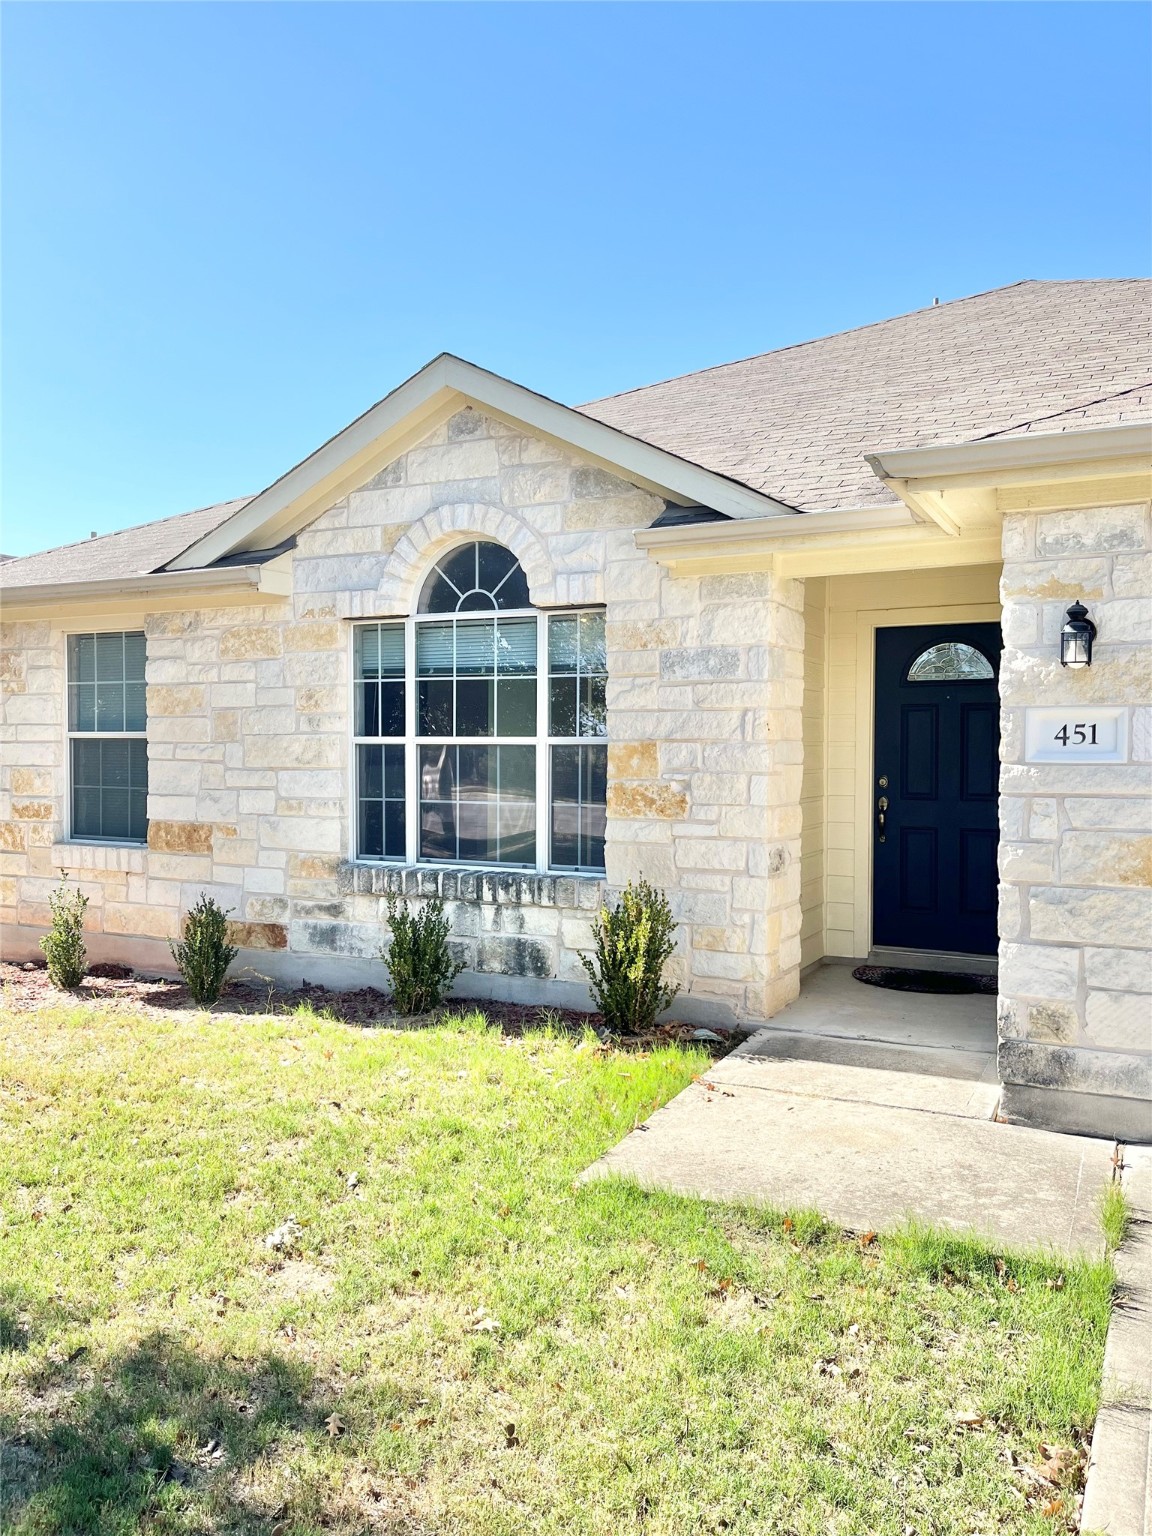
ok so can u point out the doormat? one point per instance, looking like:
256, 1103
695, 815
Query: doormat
899, 980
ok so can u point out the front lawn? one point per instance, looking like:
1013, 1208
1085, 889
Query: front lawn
452, 1337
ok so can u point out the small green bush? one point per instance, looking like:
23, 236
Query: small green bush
633, 941
63, 944
205, 954
419, 961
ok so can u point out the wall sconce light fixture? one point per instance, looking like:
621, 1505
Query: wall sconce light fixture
1076, 637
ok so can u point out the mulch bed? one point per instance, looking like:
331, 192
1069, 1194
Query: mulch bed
25, 987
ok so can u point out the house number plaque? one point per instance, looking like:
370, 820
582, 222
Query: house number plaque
1076, 735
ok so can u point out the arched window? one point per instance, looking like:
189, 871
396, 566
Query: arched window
475, 578
951, 662
480, 725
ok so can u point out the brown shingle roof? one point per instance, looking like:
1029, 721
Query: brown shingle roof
796, 423
130, 552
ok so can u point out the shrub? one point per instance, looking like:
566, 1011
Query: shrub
63, 944
633, 941
204, 955
419, 961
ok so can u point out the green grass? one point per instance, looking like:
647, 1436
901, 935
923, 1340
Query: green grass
467, 1341
1115, 1215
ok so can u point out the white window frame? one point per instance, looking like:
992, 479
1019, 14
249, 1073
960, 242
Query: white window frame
70, 833
542, 742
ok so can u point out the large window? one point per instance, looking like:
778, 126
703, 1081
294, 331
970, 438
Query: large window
480, 725
108, 748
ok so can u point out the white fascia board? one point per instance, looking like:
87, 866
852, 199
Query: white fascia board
402, 417
272, 579
850, 526
1038, 451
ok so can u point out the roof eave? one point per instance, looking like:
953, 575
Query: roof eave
270, 579
395, 423
1043, 454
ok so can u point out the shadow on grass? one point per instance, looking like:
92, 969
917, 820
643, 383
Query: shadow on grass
151, 1440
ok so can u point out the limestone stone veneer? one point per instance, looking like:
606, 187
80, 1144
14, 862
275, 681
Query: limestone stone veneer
249, 745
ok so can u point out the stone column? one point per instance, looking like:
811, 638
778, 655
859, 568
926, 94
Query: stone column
1075, 1005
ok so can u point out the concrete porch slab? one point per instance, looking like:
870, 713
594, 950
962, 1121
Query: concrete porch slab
868, 1147
832, 1002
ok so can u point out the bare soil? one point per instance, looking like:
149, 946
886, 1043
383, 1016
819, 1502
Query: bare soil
25, 987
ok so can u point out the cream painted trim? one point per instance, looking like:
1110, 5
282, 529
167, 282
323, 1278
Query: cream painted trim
868, 621
1040, 455
153, 593
856, 541
393, 424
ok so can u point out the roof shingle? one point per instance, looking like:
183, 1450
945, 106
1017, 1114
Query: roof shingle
796, 423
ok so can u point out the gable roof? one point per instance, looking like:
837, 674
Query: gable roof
128, 552
796, 423
767, 436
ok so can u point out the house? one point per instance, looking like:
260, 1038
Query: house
782, 636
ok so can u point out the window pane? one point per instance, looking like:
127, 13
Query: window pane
477, 804
435, 708
380, 802
579, 790
593, 654
434, 644
494, 564
562, 692
516, 701
110, 789
593, 714
576, 665
82, 658
516, 645
563, 644
110, 658
513, 591
475, 707
952, 662
82, 706
379, 650
367, 709
138, 773
476, 647
135, 654
460, 568
109, 706
135, 707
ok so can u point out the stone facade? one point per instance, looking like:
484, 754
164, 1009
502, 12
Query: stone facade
1076, 839
249, 745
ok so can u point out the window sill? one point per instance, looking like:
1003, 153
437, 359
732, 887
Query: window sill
493, 887
75, 853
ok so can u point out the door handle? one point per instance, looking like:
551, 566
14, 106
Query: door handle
881, 815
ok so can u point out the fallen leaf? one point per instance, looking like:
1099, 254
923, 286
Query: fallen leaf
1052, 1507
969, 1420
866, 1238
511, 1439
335, 1425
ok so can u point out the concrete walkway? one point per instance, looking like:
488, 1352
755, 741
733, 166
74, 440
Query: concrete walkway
869, 1134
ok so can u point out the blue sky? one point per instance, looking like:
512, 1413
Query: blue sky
227, 229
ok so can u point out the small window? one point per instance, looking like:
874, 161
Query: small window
951, 662
107, 730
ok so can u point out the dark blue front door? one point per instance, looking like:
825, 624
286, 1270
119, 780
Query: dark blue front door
935, 786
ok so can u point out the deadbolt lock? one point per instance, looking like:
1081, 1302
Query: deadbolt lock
883, 781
